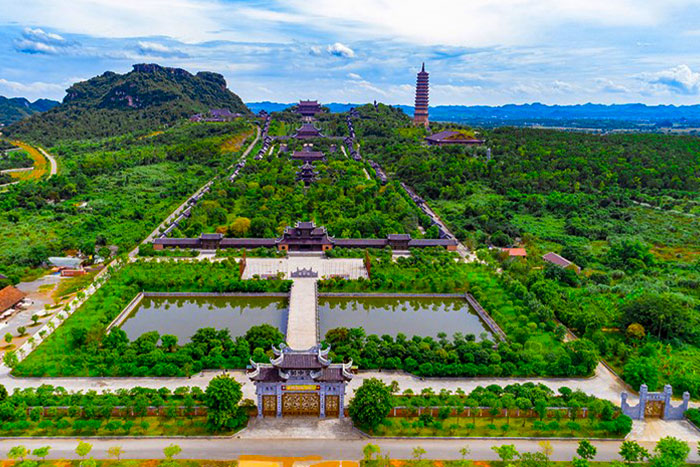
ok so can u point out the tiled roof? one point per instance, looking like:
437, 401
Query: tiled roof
331, 374
211, 236
399, 237
248, 242
9, 297
515, 251
181, 242
556, 259
423, 242
299, 361
268, 374
360, 242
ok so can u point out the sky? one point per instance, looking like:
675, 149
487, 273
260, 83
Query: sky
478, 52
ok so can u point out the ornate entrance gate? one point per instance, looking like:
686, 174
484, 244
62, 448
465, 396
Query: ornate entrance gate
269, 406
300, 404
654, 409
332, 406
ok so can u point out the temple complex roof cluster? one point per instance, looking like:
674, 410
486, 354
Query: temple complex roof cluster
304, 236
308, 130
287, 362
308, 108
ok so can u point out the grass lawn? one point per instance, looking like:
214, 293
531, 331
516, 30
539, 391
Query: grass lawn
148, 426
483, 427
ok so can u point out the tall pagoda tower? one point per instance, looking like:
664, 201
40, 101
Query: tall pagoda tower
420, 114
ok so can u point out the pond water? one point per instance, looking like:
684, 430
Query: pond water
410, 316
182, 316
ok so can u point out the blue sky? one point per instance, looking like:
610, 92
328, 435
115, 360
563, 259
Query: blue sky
478, 52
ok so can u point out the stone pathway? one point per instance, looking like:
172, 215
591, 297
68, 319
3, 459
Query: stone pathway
300, 428
301, 320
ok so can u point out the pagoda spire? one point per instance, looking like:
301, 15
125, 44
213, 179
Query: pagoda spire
422, 68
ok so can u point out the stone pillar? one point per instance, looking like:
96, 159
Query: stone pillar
341, 403
643, 391
279, 400
322, 397
260, 405
668, 393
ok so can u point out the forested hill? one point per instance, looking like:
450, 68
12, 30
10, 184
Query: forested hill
16, 108
148, 97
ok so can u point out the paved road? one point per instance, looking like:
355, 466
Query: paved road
301, 319
232, 448
54, 165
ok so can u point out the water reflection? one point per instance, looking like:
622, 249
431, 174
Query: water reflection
182, 316
409, 316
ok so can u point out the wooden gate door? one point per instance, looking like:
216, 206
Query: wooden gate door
654, 409
332, 406
269, 406
301, 404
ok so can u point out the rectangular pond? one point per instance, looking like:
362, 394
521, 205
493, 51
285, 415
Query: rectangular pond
182, 316
409, 316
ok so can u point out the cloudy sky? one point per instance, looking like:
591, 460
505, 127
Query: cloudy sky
479, 52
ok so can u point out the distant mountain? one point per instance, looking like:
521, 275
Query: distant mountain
14, 109
540, 113
147, 97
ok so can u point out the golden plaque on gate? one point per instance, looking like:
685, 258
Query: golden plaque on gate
301, 387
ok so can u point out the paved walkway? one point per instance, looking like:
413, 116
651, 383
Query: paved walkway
232, 448
54, 165
301, 320
300, 428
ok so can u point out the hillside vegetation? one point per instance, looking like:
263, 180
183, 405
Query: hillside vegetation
148, 97
14, 109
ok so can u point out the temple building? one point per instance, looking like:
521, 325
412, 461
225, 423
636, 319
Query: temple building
300, 383
448, 137
307, 130
307, 174
308, 108
305, 236
307, 154
420, 114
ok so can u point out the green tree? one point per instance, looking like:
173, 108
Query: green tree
586, 450
83, 449
222, 396
41, 452
631, 452
17, 452
642, 370
171, 451
506, 452
21, 331
371, 404
115, 452
670, 452
418, 453
370, 450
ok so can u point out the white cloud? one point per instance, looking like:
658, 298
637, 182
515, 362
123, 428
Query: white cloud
156, 49
340, 50
38, 41
679, 80
354, 76
609, 86
315, 50
30, 90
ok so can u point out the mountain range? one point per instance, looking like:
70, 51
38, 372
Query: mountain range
14, 109
536, 113
148, 97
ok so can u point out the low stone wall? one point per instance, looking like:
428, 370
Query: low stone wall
484, 412
121, 317
390, 295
